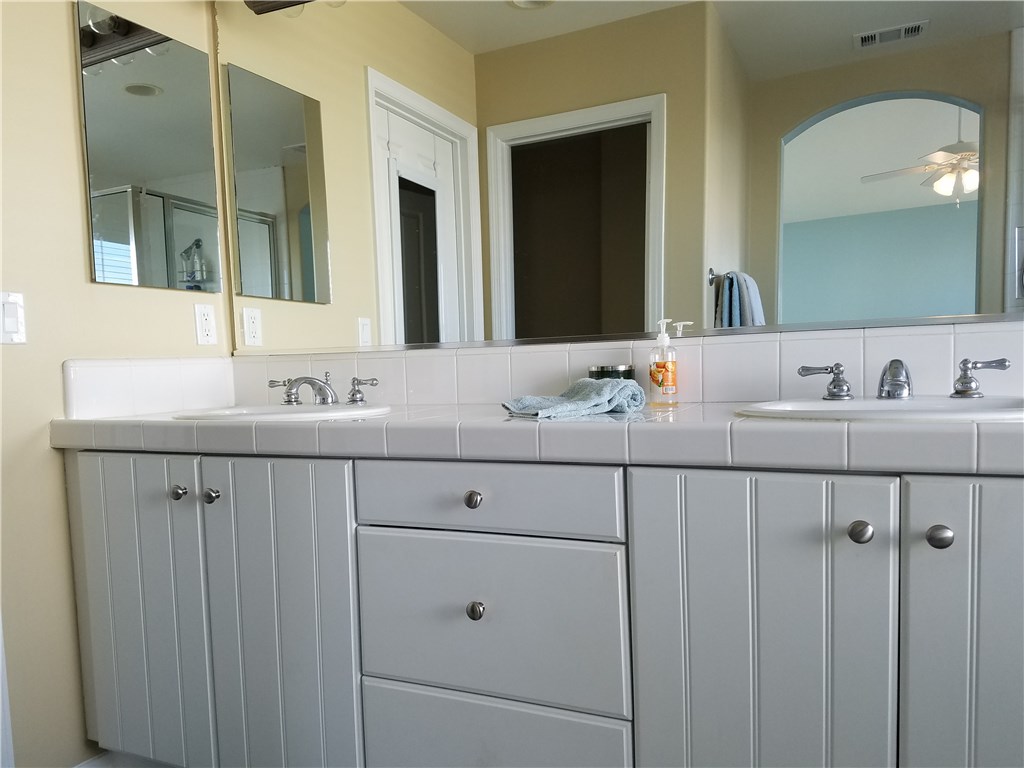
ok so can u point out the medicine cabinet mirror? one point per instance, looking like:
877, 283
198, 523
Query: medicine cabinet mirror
149, 147
280, 197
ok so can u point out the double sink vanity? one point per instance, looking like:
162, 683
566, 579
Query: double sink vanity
441, 585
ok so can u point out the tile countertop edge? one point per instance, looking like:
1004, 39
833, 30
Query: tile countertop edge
978, 448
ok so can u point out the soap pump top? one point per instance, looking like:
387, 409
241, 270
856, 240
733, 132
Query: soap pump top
663, 332
679, 327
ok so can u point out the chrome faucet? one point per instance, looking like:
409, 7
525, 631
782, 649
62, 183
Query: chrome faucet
966, 385
323, 392
895, 381
355, 395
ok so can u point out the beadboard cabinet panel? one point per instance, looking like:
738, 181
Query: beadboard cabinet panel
962, 640
763, 634
415, 726
141, 553
281, 579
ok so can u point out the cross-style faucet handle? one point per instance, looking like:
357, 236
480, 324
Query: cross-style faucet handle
966, 385
838, 388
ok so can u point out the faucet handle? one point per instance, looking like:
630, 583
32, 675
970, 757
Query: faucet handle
275, 383
838, 388
966, 385
355, 395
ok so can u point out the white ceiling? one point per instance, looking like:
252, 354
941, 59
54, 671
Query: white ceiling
772, 39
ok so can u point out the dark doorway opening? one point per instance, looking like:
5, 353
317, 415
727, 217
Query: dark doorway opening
417, 207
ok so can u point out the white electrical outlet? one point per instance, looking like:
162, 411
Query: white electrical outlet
365, 337
252, 321
206, 325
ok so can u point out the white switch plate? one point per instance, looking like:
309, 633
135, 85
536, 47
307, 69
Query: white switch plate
252, 322
365, 336
12, 318
206, 325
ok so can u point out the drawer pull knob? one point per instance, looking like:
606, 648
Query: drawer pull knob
860, 532
939, 536
475, 610
210, 495
473, 499
178, 492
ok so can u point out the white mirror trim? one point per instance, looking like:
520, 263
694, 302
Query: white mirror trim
501, 139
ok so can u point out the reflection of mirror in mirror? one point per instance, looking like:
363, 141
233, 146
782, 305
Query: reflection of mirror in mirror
150, 153
865, 233
279, 190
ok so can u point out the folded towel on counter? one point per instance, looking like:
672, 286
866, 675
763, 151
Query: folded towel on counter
737, 301
585, 397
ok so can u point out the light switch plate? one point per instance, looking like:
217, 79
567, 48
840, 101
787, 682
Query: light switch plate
12, 318
206, 325
365, 337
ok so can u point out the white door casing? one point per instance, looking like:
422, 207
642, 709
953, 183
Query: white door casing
501, 139
449, 165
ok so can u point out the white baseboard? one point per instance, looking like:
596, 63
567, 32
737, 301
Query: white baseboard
119, 760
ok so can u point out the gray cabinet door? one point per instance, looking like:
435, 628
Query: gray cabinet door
283, 613
763, 634
140, 578
962, 634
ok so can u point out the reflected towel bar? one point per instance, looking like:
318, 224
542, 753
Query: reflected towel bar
712, 276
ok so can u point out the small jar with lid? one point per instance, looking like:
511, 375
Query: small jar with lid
611, 372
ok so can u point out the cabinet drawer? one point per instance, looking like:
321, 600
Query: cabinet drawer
554, 628
558, 501
420, 727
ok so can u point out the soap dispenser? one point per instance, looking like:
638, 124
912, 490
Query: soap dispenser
663, 370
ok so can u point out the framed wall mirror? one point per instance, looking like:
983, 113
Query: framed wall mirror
280, 195
149, 148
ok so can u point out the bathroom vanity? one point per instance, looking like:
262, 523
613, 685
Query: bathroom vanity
239, 607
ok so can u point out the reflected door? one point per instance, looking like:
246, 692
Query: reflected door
418, 222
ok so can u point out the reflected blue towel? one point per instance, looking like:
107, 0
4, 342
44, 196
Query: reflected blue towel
585, 397
737, 301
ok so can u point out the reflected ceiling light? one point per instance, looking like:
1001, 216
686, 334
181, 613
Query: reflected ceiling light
971, 179
944, 185
158, 50
530, 5
143, 89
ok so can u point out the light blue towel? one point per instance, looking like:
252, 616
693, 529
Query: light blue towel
584, 398
737, 301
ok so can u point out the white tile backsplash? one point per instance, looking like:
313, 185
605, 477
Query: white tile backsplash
712, 369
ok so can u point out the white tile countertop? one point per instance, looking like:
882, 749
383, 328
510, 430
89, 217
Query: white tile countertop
690, 434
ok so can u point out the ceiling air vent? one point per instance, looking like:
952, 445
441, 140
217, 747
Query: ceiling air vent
889, 35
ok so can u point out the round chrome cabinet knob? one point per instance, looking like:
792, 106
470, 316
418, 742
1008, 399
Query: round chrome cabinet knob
475, 610
210, 495
860, 532
473, 499
178, 492
939, 536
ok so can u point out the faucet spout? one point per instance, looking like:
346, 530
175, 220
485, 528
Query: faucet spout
895, 381
323, 392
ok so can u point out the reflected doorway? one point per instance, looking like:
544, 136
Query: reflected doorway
579, 233
417, 209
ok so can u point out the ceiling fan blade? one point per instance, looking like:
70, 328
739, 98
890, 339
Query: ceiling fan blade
934, 177
899, 172
940, 157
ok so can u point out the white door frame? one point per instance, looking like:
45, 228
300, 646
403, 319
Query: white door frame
395, 98
501, 139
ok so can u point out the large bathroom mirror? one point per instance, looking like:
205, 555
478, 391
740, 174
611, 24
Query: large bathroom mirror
280, 194
149, 147
733, 94
880, 212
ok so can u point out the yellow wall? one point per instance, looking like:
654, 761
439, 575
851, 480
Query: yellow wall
323, 53
45, 256
977, 70
662, 52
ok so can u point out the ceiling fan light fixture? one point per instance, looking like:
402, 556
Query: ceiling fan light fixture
971, 180
944, 186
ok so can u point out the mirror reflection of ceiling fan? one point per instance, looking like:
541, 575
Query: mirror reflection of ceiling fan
952, 169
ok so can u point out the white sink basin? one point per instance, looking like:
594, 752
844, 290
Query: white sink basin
305, 412
919, 408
